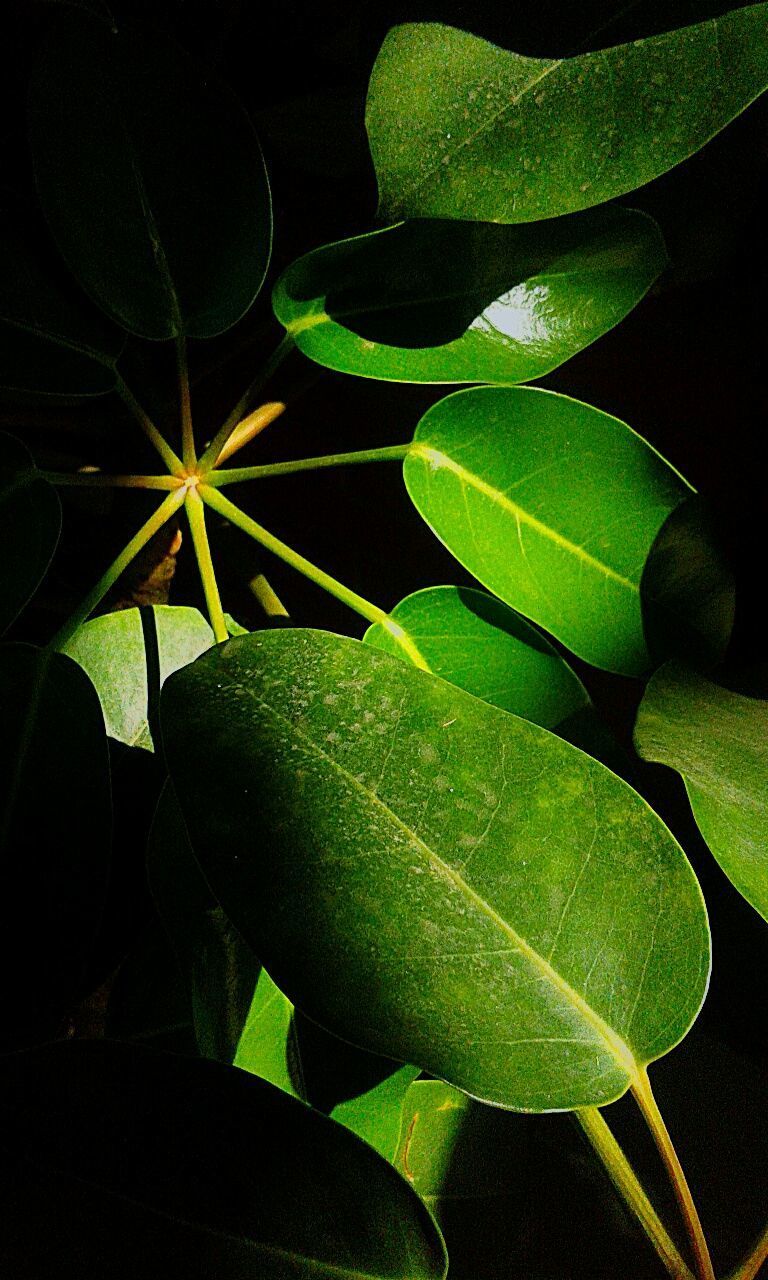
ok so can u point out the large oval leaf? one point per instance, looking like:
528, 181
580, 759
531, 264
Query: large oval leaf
30, 523
553, 505
174, 235
718, 741
121, 651
431, 301
55, 828
282, 1190
432, 878
459, 128
49, 343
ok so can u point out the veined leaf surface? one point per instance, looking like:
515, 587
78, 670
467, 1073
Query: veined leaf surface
173, 236
718, 741
30, 523
460, 128
552, 505
431, 301
432, 878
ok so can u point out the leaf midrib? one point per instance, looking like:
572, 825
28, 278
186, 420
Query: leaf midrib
617, 1049
435, 459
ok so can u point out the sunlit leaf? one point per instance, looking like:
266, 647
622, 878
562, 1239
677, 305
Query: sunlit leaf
432, 878
55, 828
244, 1182
552, 505
430, 301
460, 128
50, 344
718, 741
30, 523
151, 178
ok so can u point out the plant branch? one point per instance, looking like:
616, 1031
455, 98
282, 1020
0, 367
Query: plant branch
212, 453
643, 1095
98, 480
626, 1182
168, 507
236, 475
187, 434
369, 611
251, 427
171, 459
196, 516
750, 1267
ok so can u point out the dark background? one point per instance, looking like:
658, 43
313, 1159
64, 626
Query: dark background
686, 370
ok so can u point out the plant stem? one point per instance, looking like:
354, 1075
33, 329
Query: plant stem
251, 427
163, 513
350, 598
267, 598
749, 1268
96, 479
211, 455
196, 516
643, 1094
235, 475
626, 1182
171, 459
187, 435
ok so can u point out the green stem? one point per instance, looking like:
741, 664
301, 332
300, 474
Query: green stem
171, 459
211, 454
626, 1182
196, 516
187, 434
235, 475
369, 611
97, 480
148, 530
749, 1268
653, 1118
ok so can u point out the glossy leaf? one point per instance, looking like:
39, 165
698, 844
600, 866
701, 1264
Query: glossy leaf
55, 828
30, 523
552, 505
432, 878
112, 650
174, 236
243, 1177
431, 301
50, 344
218, 970
460, 128
718, 741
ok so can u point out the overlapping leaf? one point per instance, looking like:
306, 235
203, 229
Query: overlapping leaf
718, 741
432, 878
460, 128
151, 179
552, 505
30, 523
55, 829
50, 344
210, 1166
431, 301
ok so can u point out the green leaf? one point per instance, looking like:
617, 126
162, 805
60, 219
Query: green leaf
218, 969
718, 741
459, 128
112, 650
55, 829
552, 505
266, 1046
432, 878
50, 344
173, 236
434, 301
30, 523
248, 1183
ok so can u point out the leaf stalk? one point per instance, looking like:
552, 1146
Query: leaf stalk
212, 453
236, 475
196, 517
171, 459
